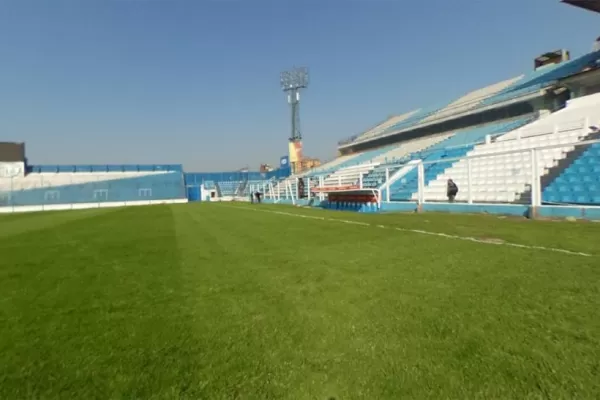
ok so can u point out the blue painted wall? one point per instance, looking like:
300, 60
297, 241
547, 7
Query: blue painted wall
167, 186
198, 178
193, 193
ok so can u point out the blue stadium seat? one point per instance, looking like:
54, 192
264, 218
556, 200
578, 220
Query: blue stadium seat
412, 120
446, 153
567, 198
361, 158
579, 183
83, 168
209, 185
99, 168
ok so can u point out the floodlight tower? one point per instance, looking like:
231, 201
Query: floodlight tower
292, 82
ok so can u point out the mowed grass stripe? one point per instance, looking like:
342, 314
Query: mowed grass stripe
91, 309
286, 300
574, 236
273, 294
311, 311
19, 223
484, 240
203, 301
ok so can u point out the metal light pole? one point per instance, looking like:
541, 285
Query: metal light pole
292, 82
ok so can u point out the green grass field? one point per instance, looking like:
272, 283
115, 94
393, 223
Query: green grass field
226, 301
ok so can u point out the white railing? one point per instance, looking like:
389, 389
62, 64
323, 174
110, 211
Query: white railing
514, 176
510, 169
522, 187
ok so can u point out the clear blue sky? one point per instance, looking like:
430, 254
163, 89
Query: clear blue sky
197, 82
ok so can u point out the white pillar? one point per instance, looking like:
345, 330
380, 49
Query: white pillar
469, 189
387, 185
586, 125
321, 184
421, 182
537, 178
534, 178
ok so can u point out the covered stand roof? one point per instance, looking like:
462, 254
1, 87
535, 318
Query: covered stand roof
591, 5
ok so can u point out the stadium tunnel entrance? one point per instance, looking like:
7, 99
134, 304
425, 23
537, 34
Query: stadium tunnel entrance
193, 193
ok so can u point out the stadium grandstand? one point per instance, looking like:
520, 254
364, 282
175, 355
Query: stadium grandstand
527, 145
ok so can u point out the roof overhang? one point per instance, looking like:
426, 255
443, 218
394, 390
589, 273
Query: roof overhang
590, 76
445, 118
590, 5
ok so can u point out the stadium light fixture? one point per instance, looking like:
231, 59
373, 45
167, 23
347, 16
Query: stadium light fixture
292, 81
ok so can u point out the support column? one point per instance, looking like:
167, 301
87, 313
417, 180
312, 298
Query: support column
469, 184
535, 186
387, 185
420, 186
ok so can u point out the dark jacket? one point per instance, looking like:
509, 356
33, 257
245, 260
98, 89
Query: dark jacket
452, 188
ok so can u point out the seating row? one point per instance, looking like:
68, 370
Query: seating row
555, 136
